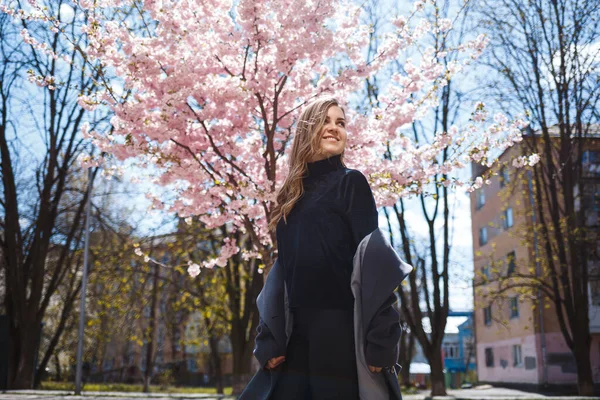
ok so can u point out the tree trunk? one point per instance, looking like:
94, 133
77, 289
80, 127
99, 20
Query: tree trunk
22, 355
245, 316
174, 343
585, 380
407, 345
152, 333
58, 376
438, 383
242, 360
66, 312
216, 362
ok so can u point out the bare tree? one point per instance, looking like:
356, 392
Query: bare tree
428, 287
33, 189
109, 234
544, 58
469, 346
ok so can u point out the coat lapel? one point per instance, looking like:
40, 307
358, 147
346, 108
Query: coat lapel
272, 307
381, 272
377, 271
271, 303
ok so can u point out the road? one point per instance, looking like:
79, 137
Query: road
483, 393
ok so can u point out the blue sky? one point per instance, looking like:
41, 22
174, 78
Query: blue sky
157, 222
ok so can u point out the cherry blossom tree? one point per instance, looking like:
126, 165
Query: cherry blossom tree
204, 96
207, 94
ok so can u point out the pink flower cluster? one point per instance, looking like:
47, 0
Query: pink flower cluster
215, 88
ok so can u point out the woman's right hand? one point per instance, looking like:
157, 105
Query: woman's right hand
275, 361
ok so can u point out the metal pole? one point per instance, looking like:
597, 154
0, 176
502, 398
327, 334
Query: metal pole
540, 294
83, 287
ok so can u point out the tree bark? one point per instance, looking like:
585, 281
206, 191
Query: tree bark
22, 355
585, 378
58, 376
438, 381
242, 361
216, 363
407, 346
244, 313
152, 334
64, 317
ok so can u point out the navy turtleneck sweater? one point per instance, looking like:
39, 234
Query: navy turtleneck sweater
316, 247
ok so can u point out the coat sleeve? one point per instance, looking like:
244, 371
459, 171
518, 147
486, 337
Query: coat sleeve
359, 205
383, 335
265, 346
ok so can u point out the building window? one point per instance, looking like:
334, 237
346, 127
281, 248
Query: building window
517, 357
591, 204
450, 350
489, 357
514, 307
144, 357
108, 364
485, 271
483, 238
594, 285
177, 339
479, 198
504, 176
591, 163
508, 218
511, 263
487, 315
191, 365
128, 360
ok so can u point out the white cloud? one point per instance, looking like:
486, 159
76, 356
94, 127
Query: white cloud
66, 13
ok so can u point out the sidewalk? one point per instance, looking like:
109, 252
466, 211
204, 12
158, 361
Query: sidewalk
498, 393
482, 393
57, 394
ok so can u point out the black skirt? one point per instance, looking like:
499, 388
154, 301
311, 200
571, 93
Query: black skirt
320, 357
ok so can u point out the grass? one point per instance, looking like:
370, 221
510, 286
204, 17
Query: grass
123, 387
410, 390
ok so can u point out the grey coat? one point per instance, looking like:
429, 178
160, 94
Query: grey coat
377, 271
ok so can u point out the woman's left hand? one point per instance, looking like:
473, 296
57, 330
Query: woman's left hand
374, 369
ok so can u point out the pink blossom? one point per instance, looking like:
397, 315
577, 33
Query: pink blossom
221, 96
193, 270
533, 159
445, 24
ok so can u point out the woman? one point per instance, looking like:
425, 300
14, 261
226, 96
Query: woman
323, 211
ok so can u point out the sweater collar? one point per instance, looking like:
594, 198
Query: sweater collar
320, 167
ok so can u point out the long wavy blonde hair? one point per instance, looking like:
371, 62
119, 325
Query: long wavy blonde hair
307, 142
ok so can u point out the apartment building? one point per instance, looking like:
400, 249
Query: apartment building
518, 339
182, 351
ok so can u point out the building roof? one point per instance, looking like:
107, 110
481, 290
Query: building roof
452, 324
554, 131
419, 368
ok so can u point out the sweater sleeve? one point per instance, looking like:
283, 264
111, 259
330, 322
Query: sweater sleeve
359, 205
265, 345
383, 335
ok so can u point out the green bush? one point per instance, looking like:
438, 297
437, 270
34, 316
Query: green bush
123, 387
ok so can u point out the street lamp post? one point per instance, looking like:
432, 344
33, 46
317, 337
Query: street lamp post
83, 287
